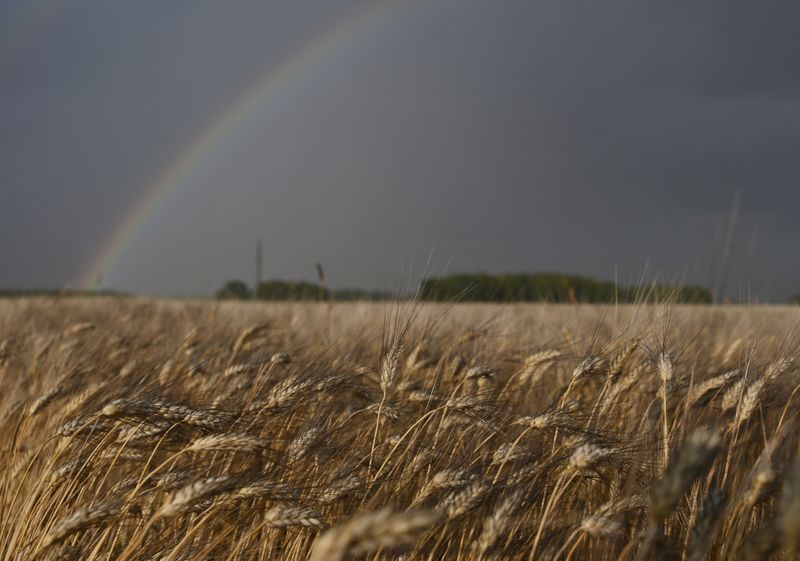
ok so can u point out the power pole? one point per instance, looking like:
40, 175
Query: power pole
259, 262
733, 219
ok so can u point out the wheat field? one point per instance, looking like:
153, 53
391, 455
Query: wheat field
134, 429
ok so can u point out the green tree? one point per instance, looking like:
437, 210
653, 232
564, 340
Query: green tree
289, 290
234, 290
549, 287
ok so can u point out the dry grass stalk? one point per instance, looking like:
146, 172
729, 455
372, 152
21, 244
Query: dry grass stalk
282, 516
79, 520
364, 533
190, 495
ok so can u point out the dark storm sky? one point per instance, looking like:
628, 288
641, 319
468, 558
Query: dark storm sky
604, 138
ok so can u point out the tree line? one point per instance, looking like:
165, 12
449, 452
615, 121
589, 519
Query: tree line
551, 287
522, 287
294, 290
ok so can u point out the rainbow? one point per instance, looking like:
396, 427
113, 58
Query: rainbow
290, 71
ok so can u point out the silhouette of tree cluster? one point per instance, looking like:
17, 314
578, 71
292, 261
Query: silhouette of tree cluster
550, 287
522, 287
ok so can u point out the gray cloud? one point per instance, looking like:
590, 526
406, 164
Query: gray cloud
598, 138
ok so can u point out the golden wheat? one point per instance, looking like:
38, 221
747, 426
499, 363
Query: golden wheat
134, 429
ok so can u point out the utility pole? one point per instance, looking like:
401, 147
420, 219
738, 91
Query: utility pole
321, 277
259, 262
733, 219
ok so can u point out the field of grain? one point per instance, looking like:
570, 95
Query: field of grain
180, 430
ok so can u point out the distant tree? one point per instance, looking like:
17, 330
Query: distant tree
481, 287
355, 294
234, 290
290, 290
795, 299
549, 287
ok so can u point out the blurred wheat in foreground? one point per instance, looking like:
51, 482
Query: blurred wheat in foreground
133, 429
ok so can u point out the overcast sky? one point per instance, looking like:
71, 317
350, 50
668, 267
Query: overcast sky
602, 138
